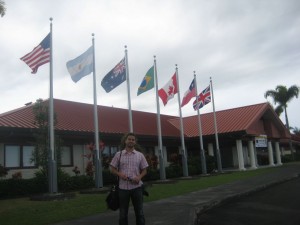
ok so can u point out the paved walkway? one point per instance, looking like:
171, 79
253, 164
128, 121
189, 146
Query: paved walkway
183, 210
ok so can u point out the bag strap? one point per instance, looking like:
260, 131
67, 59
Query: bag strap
119, 166
119, 160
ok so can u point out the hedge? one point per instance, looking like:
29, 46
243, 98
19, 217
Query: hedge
39, 184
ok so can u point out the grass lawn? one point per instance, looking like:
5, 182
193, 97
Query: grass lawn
26, 212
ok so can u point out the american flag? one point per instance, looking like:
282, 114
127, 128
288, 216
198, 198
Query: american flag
202, 99
40, 55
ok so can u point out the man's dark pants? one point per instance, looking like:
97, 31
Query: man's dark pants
136, 196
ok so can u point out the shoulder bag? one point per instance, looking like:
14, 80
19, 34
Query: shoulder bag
112, 199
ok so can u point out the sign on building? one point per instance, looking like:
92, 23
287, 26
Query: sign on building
261, 141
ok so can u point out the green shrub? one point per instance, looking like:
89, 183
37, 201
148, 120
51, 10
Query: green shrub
39, 184
73, 183
152, 174
3, 171
194, 165
210, 163
108, 177
20, 187
173, 171
287, 158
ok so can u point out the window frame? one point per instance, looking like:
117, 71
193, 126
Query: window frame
110, 150
71, 156
21, 157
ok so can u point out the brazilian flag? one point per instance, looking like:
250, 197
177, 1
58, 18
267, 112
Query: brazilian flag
148, 81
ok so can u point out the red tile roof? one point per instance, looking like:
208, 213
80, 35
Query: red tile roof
243, 119
74, 116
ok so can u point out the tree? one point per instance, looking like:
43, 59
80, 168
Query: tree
41, 150
282, 96
296, 131
2, 8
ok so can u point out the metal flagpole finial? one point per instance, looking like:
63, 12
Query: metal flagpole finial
176, 66
194, 72
93, 34
51, 19
125, 46
154, 56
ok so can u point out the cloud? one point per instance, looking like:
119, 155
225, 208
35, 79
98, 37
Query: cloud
247, 47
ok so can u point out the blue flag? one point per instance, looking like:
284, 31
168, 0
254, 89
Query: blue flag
115, 77
81, 66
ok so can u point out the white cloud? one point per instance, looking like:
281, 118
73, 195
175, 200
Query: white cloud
247, 47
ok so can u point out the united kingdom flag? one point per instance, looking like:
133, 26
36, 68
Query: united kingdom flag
202, 99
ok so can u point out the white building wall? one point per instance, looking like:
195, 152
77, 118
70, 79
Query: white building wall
164, 149
210, 148
78, 159
26, 173
235, 157
246, 155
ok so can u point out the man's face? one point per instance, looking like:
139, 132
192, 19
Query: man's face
130, 141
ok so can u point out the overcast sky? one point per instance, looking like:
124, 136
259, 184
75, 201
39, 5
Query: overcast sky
246, 46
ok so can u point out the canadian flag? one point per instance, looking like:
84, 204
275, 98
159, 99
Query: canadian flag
169, 90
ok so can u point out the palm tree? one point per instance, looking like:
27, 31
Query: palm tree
282, 96
2, 8
296, 131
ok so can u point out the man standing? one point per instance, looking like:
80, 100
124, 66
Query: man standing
130, 166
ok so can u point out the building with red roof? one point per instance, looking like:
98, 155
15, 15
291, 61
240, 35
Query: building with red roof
248, 136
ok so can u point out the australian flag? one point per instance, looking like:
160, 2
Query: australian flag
202, 99
115, 77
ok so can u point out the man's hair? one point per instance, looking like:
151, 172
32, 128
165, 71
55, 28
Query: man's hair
130, 134
124, 138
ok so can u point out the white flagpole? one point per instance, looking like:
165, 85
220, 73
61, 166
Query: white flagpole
128, 91
216, 130
160, 150
184, 157
52, 163
98, 159
202, 154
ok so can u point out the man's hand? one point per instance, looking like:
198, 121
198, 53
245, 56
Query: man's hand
122, 176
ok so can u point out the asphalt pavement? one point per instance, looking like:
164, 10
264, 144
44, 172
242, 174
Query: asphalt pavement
187, 209
277, 205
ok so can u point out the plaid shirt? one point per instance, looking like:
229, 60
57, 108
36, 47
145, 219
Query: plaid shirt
131, 164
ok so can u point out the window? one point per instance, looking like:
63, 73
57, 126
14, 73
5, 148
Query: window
113, 150
18, 156
12, 156
105, 151
66, 156
110, 151
27, 156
